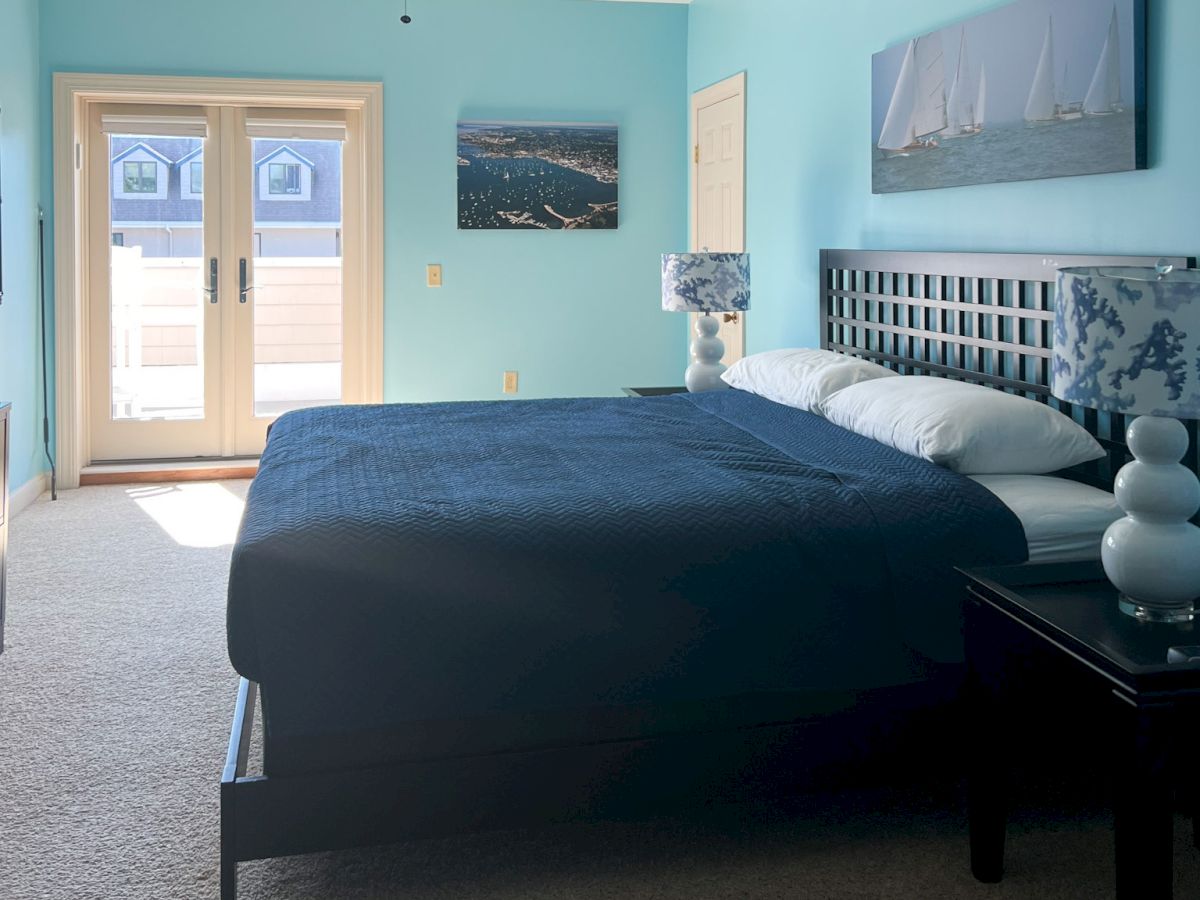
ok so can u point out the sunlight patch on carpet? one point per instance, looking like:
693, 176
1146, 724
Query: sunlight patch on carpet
204, 514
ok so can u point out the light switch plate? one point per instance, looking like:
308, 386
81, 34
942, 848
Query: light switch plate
510, 382
433, 275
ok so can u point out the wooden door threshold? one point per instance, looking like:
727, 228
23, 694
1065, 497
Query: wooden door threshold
165, 471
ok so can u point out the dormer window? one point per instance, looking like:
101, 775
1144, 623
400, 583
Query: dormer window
140, 172
284, 175
191, 175
284, 178
141, 177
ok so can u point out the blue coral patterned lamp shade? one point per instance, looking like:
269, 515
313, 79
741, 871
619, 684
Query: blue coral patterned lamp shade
1127, 340
706, 283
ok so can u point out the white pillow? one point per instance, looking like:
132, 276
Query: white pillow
800, 378
1064, 520
968, 428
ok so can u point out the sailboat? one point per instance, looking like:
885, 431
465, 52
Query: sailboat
981, 101
1104, 95
1042, 105
1067, 111
964, 106
917, 111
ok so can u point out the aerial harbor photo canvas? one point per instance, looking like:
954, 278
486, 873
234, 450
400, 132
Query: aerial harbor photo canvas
527, 175
1034, 89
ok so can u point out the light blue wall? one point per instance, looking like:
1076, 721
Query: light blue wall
574, 313
808, 152
19, 367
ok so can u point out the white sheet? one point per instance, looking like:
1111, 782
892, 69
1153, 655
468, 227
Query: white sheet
1064, 520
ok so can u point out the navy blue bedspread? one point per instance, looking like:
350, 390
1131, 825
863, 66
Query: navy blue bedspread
413, 562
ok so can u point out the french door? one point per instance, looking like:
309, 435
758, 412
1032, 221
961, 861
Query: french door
221, 248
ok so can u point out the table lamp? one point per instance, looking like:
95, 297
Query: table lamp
1127, 340
706, 283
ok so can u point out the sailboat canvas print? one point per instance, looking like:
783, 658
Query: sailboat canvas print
1034, 89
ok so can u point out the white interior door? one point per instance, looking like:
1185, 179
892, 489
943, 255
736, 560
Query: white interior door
718, 118
218, 246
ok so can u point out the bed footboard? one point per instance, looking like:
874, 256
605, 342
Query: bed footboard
267, 816
235, 769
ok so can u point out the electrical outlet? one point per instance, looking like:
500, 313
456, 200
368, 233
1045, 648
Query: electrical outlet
433, 275
510, 382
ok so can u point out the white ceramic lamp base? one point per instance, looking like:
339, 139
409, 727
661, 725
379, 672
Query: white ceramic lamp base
1153, 554
704, 374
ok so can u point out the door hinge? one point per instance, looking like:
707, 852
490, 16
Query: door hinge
78, 156
696, 154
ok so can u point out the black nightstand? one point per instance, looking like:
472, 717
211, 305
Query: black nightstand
1067, 614
653, 391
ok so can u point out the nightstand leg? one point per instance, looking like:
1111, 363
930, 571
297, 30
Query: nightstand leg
987, 772
1185, 746
1143, 813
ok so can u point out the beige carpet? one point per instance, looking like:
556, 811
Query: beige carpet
115, 696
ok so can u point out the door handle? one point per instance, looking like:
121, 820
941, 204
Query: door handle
243, 288
211, 290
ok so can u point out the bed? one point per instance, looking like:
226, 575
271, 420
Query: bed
462, 615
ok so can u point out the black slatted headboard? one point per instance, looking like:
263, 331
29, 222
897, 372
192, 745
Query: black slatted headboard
979, 317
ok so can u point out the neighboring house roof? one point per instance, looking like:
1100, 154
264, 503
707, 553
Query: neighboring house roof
285, 149
324, 207
141, 145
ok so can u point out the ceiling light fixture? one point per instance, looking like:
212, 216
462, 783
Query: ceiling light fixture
406, 18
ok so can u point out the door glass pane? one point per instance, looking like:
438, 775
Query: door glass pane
297, 292
157, 305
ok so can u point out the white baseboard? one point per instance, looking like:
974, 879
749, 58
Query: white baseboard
28, 492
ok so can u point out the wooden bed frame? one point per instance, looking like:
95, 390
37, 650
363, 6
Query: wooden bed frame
978, 317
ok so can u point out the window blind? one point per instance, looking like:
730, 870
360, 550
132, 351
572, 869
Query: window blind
297, 124
183, 124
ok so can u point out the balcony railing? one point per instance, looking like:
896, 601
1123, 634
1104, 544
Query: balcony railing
157, 316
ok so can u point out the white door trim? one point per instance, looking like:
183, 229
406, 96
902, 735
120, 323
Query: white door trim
73, 94
733, 86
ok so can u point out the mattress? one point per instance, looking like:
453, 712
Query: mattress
443, 577
1063, 520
